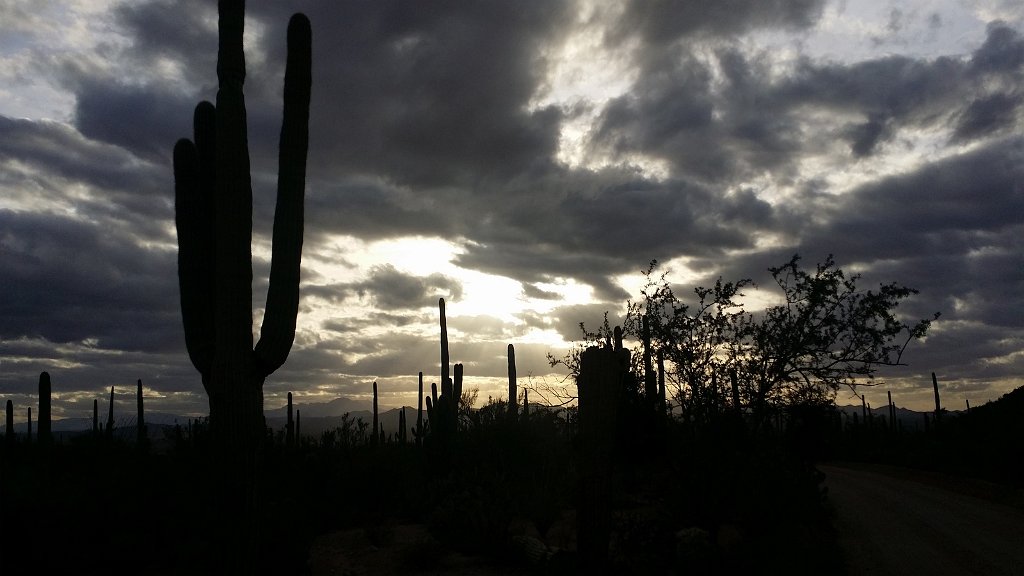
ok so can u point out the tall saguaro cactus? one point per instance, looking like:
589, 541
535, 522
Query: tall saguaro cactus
9, 425
45, 433
376, 419
213, 213
289, 427
445, 359
513, 409
110, 414
140, 421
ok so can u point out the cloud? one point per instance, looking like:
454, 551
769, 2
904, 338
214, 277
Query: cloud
732, 145
988, 115
69, 281
392, 290
665, 21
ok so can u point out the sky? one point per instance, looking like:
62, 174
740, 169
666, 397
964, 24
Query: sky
524, 160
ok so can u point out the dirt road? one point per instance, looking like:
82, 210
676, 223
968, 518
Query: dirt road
901, 526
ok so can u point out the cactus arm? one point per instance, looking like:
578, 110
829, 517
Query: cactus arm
278, 330
444, 347
457, 389
194, 219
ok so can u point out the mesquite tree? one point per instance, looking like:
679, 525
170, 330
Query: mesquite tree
213, 213
827, 333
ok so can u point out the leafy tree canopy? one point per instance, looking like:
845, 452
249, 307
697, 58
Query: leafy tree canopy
827, 333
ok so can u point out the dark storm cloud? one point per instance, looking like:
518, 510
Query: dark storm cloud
374, 209
69, 281
146, 120
391, 289
183, 31
532, 291
665, 21
988, 115
43, 160
428, 94
751, 122
592, 225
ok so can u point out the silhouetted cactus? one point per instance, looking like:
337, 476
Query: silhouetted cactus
661, 382
892, 412
600, 384
28, 436
289, 427
513, 392
444, 348
110, 416
213, 214
9, 425
443, 410
418, 432
735, 385
376, 425
401, 426
526, 405
140, 422
45, 434
938, 405
457, 390
95, 417
298, 427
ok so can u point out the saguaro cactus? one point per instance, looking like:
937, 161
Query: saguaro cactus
110, 414
419, 432
95, 417
140, 422
892, 412
9, 425
45, 434
213, 214
938, 405
28, 437
376, 420
443, 410
445, 381
600, 383
513, 409
289, 428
